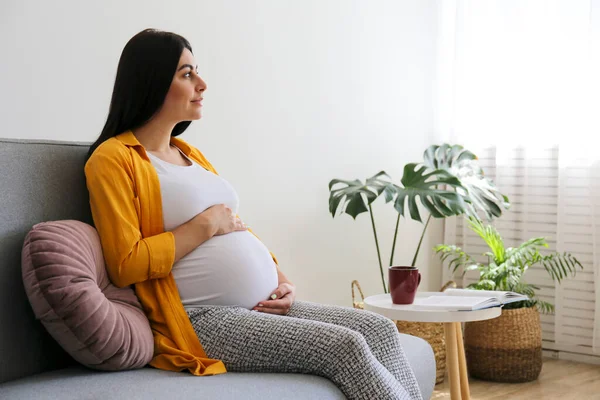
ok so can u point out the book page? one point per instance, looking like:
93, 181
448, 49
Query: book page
503, 297
455, 302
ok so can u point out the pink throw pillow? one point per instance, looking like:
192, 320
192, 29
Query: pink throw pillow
98, 324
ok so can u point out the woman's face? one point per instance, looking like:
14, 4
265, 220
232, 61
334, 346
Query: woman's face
184, 99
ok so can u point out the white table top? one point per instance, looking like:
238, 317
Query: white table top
382, 304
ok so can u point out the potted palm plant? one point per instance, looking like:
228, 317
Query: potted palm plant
508, 348
448, 182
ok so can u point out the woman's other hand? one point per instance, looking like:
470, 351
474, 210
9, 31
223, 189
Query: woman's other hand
280, 302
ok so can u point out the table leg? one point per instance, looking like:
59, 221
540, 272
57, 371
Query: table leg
462, 364
452, 360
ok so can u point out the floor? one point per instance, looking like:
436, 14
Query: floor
563, 380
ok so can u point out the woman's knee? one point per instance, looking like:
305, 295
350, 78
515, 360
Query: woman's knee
334, 347
349, 339
381, 323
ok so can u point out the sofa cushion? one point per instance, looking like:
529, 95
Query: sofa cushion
148, 383
98, 324
40, 181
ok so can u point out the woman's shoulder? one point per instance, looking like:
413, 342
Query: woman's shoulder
111, 151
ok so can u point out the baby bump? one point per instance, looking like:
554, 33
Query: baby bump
235, 269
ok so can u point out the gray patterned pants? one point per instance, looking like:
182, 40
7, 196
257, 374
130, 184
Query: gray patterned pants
359, 351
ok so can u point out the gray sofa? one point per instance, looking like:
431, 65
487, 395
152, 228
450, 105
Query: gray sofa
44, 181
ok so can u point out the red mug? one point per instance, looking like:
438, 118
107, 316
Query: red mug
404, 282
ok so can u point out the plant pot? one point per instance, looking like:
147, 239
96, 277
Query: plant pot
507, 348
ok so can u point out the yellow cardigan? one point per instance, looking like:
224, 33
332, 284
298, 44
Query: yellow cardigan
126, 207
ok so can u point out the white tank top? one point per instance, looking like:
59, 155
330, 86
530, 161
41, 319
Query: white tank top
235, 269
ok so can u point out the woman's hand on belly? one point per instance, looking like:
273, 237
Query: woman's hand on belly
224, 219
281, 300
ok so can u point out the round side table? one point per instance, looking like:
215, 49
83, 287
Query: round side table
455, 349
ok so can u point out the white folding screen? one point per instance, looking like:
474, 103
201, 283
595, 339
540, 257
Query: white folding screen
551, 198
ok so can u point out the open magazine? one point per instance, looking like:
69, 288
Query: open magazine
466, 300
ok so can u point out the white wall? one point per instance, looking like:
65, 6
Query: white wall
298, 93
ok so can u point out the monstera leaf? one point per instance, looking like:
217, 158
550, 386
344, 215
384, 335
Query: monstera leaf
355, 196
424, 184
480, 193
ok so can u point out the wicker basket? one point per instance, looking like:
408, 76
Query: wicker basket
432, 332
507, 348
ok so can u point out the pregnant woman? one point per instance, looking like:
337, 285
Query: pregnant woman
215, 297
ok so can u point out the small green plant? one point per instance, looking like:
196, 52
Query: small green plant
505, 267
448, 182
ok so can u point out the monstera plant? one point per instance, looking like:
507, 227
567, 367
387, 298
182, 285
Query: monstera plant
448, 182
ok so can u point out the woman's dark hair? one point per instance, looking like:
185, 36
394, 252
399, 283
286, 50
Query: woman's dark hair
146, 68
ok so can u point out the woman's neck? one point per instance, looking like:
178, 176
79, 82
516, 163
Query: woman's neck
155, 136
